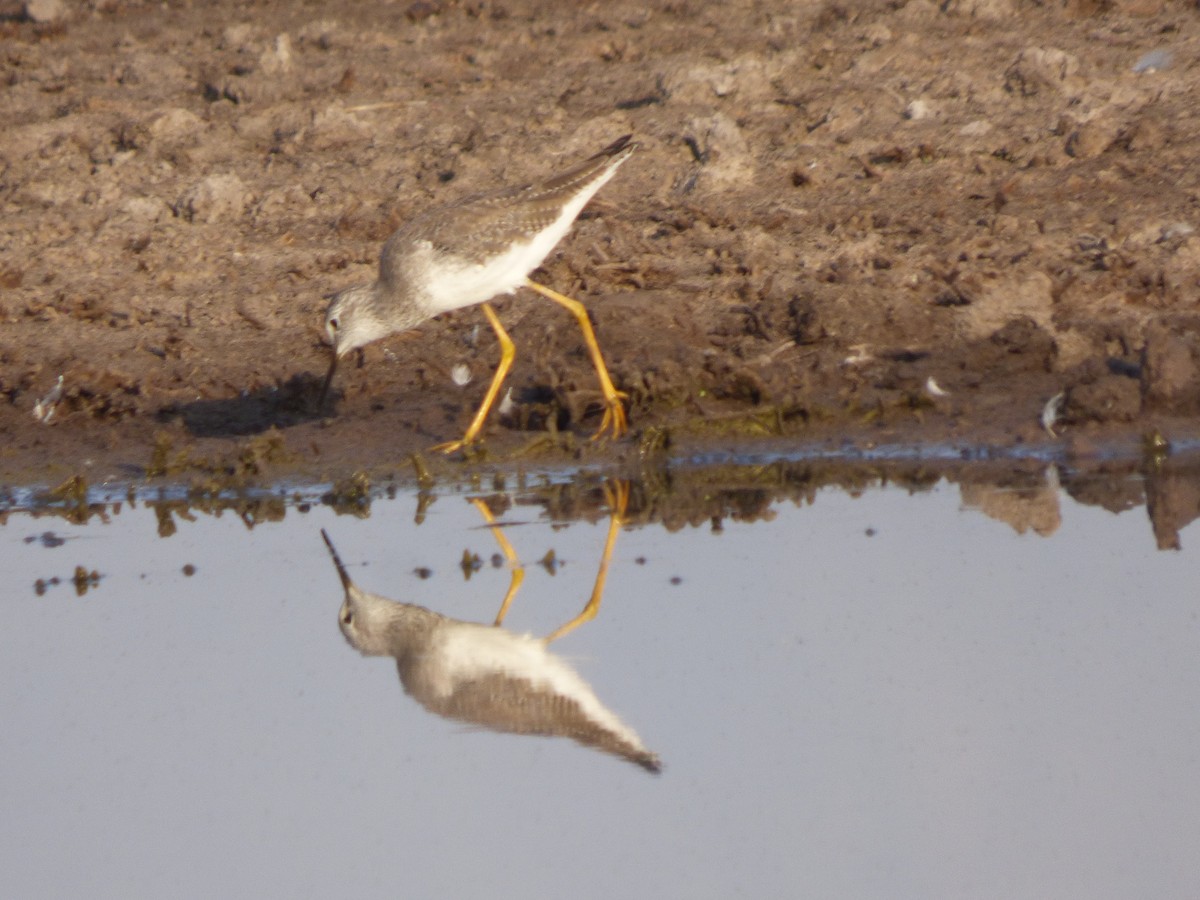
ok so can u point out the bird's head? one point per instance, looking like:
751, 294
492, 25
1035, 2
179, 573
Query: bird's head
364, 618
351, 320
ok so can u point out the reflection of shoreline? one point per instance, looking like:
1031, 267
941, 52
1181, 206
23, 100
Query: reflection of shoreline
487, 675
690, 495
1172, 502
1023, 508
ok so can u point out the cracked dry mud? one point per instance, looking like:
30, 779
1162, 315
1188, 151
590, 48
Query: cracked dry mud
864, 222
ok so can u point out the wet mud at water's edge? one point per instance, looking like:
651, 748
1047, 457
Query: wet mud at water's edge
828, 234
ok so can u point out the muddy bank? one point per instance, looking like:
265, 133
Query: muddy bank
847, 222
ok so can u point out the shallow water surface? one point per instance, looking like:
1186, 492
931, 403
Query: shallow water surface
971, 689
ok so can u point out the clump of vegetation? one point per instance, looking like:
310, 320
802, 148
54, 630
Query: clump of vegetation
470, 564
261, 452
350, 495
161, 460
73, 490
654, 441
253, 457
73, 493
767, 421
83, 579
424, 478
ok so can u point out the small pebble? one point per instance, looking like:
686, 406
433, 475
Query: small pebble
1154, 61
504, 410
44, 11
1050, 413
917, 110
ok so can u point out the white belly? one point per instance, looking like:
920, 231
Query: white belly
455, 283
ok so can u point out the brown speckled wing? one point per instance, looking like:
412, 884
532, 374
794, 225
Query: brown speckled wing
514, 705
485, 225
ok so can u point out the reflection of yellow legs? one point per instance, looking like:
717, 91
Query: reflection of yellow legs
618, 500
614, 411
507, 353
518, 571
617, 497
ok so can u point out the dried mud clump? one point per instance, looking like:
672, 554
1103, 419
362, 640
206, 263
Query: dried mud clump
1171, 368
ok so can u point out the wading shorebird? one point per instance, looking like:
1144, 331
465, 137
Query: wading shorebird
485, 674
467, 253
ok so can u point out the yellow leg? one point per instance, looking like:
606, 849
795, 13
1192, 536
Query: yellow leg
507, 353
514, 563
614, 410
618, 500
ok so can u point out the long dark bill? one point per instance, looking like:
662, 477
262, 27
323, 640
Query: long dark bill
337, 561
328, 382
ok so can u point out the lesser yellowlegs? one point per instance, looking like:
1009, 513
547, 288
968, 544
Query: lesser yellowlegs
469, 252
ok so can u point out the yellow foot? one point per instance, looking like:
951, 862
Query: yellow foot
454, 446
614, 416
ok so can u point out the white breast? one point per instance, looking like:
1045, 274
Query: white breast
468, 651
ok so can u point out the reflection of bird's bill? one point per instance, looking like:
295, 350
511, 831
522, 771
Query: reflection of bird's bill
337, 560
325, 387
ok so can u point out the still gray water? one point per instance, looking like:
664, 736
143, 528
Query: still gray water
963, 690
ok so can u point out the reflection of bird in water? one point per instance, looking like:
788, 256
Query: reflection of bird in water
486, 674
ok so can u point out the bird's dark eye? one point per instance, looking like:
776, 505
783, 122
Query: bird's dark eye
333, 323
347, 617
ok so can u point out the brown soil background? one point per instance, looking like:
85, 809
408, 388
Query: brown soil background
832, 204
